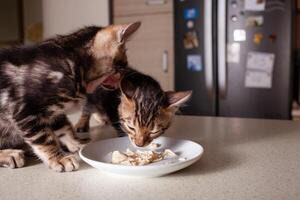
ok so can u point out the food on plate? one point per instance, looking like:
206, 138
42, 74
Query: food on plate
154, 145
139, 158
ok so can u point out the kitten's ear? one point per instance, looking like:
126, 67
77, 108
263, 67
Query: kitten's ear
127, 88
127, 30
177, 99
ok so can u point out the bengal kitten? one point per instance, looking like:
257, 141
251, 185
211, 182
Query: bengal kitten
140, 108
39, 83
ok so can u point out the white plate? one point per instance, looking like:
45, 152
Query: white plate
98, 155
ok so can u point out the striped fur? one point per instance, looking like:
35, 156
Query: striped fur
39, 83
140, 108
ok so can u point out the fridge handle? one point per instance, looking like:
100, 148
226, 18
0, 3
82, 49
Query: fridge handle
155, 2
208, 55
222, 70
165, 61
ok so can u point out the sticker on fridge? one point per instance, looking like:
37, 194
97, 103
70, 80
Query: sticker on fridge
255, 5
194, 62
190, 40
239, 35
233, 53
255, 21
190, 13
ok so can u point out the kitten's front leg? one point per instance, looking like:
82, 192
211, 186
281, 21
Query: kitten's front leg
83, 124
64, 130
45, 145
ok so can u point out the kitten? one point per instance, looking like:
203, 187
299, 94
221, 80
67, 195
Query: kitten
39, 83
140, 108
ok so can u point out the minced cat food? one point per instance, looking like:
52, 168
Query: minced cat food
139, 158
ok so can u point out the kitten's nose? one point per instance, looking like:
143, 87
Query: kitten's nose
140, 142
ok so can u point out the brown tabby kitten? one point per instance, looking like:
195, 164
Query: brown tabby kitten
39, 83
140, 108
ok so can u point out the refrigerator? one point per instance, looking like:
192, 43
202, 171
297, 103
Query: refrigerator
236, 56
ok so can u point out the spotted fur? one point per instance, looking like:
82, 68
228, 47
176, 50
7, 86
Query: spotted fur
140, 108
39, 83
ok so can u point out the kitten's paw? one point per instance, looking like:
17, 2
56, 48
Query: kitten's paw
64, 164
12, 158
75, 145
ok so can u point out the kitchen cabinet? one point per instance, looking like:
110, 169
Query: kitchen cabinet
151, 49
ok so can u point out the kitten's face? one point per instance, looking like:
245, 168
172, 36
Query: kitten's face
142, 134
144, 121
109, 52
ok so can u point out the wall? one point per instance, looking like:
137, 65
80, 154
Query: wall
298, 25
9, 21
33, 17
64, 16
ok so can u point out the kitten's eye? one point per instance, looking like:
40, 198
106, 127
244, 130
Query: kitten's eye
130, 127
155, 134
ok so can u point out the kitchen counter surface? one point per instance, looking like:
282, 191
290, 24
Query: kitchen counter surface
243, 159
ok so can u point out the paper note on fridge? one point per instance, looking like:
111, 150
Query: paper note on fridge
233, 53
259, 70
255, 5
255, 79
260, 61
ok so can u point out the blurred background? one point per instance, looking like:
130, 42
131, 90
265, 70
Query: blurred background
240, 57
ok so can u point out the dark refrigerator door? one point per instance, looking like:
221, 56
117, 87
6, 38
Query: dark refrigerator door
193, 55
252, 86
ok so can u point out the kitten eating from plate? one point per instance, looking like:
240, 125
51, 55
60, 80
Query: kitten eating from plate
139, 108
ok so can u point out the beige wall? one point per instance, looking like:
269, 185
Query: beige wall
64, 16
33, 17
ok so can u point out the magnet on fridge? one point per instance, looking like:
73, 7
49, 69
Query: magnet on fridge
234, 18
255, 5
190, 13
239, 35
257, 38
190, 24
272, 38
194, 62
255, 21
234, 3
190, 40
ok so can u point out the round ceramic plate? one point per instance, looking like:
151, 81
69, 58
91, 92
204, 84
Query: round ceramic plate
98, 155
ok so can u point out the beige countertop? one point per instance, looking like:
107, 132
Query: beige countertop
243, 159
